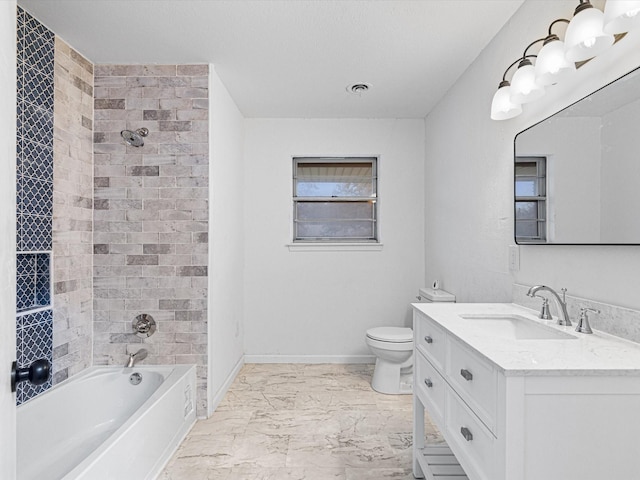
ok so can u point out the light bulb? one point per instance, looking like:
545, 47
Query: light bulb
585, 38
621, 16
524, 88
501, 107
551, 64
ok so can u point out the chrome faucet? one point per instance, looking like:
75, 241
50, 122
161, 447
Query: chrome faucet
134, 357
563, 316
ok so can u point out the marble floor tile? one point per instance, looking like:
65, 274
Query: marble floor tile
254, 400
301, 422
225, 422
287, 474
379, 474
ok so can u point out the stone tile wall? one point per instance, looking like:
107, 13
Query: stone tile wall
72, 212
151, 214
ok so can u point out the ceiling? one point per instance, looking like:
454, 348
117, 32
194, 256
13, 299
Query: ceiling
293, 58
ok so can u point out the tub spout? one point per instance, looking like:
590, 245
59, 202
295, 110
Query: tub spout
134, 357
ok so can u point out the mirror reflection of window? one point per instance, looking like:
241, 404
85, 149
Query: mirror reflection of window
530, 199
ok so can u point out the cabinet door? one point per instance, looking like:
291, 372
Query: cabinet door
430, 339
474, 445
475, 380
430, 387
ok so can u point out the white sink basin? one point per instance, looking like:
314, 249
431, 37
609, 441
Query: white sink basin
516, 327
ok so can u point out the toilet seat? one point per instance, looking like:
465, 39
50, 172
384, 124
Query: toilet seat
391, 334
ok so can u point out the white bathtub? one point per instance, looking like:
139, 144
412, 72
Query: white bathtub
98, 425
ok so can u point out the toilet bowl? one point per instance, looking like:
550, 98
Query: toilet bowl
393, 348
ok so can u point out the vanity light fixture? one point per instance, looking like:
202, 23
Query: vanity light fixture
589, 33
621, 16
524, 86
502, 108
551, 64
585, 37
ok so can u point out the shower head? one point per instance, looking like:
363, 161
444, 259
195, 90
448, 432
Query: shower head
134, 138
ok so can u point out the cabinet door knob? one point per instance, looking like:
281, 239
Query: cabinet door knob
428, 339
466, 374
428, 382
466, 433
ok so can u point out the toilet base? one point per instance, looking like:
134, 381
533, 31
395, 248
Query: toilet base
392, 378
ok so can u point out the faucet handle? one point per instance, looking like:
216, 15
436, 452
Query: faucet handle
583, 323
544, 312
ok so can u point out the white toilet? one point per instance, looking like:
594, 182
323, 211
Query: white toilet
393, 348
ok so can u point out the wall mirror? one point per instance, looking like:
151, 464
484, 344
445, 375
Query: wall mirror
577, 173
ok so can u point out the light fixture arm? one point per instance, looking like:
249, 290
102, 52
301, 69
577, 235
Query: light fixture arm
556, 21
524, 55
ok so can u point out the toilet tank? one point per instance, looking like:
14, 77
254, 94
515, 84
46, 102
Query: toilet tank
430, 295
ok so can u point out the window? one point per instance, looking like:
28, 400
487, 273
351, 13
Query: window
335, 199
530, 199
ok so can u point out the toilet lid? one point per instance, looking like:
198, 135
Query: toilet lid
391, 334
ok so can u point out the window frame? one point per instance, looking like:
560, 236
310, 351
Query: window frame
346, 243
541, 200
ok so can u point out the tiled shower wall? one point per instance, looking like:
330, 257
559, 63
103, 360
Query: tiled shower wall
72, 212
34, 202
151, 214
54, 204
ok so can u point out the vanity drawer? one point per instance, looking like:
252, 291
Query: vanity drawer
476, 446
475, 379
430, 387
430, 339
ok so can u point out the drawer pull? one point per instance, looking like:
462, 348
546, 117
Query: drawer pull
466, 374
466, 433
428, 382
428, 339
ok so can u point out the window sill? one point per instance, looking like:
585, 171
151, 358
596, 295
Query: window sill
334, 247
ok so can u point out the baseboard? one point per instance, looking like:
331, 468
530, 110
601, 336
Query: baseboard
309, 359
219, 395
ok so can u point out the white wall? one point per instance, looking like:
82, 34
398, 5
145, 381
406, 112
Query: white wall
469, 175
7, 235
226, 256
316, 306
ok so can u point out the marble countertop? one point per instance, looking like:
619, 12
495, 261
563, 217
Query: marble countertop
595, 354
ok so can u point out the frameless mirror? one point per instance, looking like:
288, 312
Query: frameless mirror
577, 173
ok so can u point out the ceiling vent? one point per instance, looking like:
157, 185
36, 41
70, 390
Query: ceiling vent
358, 88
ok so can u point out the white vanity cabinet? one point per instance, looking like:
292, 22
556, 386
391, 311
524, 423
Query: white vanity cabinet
504, 421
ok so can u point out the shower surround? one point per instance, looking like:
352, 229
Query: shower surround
151, 214
72, 212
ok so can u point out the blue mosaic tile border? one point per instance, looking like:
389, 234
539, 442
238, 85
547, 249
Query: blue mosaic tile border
34, 340
35, 134
34, 202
